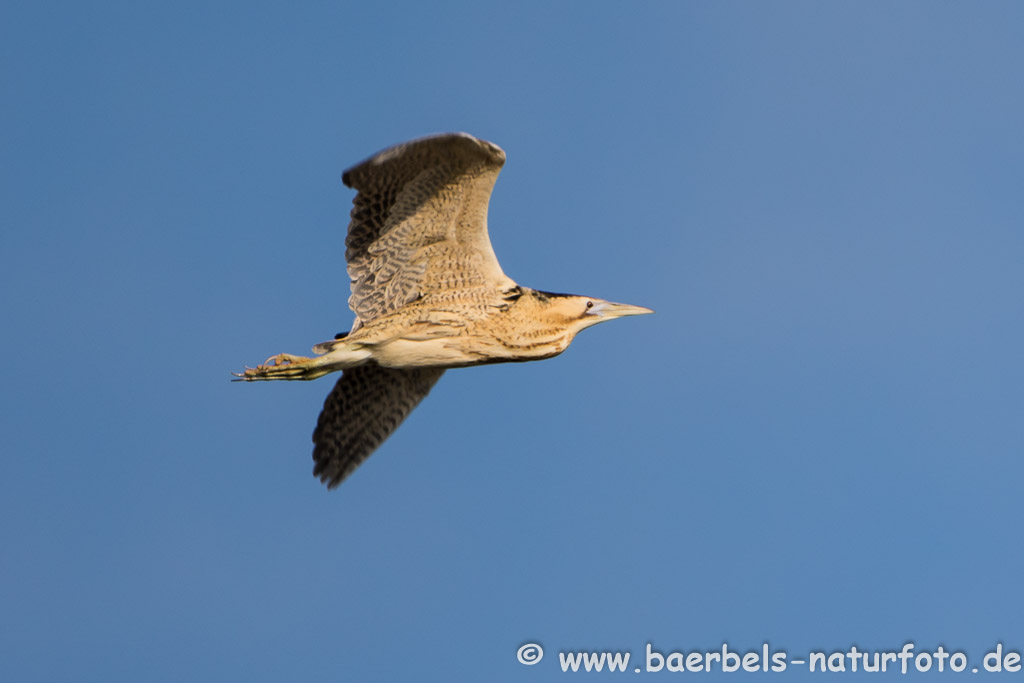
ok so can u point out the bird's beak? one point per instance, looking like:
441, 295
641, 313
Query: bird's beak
607, 310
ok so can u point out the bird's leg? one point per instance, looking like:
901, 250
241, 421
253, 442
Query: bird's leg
334, 356
286, 366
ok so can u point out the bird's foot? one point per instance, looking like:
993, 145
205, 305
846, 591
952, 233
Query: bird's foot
283, 366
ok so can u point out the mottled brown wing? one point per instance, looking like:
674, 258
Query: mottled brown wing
366, 405
419, 223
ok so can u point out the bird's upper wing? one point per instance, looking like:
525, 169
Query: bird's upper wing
419, 223
366, 405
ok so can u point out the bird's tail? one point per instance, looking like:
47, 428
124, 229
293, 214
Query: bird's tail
328, 346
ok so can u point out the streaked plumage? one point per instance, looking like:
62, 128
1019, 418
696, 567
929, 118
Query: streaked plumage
428, 294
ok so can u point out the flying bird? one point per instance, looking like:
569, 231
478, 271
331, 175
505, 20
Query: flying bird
428, 295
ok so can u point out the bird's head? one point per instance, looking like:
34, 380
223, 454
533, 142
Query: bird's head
577, 313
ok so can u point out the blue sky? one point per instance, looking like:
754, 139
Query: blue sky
815, 443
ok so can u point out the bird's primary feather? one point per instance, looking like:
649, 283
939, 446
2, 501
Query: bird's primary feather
366, 406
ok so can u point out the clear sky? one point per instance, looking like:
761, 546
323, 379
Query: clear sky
816, 442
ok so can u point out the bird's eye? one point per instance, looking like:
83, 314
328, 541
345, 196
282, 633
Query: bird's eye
590, 304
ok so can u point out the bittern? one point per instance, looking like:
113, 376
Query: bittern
428, 295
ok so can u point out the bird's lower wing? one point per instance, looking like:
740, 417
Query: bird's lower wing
365, 406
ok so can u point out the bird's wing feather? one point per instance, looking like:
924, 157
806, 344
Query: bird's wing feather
419, 223
364, 408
